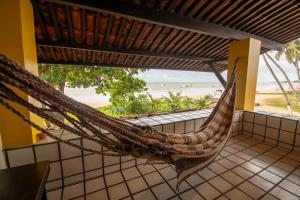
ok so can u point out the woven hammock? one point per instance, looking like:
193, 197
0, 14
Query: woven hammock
188, 152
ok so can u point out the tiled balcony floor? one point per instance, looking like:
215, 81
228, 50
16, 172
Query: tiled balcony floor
245, 169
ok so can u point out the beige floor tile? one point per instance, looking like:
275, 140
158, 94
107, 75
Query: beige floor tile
278, 171
232, 178
217, 168
183, 186
227, 163
291, 187
136, 185
251, 167
207, 191
190, 195
144, 195
168, 173
261, 183
114, 178
294, 178
131, 173
252, 190
144, 169
237, 194
242, 172
269, 197
194, 180
206, 173
118, 191
163, 191
270, 176
94, 184
153, 178
96, 195
236, 159
221, 184
282, 194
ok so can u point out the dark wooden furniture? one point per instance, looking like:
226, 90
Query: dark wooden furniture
25, 182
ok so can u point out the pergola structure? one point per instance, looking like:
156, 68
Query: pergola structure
193, 35
159, 34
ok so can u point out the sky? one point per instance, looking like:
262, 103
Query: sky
264, 74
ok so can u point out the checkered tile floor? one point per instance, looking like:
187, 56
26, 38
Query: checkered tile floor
245, 169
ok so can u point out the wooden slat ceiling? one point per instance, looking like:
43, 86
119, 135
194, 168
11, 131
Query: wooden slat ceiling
74, 34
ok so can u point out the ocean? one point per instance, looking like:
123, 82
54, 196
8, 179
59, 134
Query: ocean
160, 89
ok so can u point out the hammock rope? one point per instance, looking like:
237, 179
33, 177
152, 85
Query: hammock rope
188, 152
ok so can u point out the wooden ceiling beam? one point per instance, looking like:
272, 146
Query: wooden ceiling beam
167, 19
123, 51
140, 66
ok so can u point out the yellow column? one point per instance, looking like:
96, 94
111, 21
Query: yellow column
17, 41
247, 51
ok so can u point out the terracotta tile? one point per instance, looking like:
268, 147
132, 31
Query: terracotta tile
261, 182
282, 194
136, 185
244, 156
118, 191
248, 117
191, 195
252, 190
163, 191
270, 176
144, 195
260, 119
237, 194
207, 191
221, 184
232, 178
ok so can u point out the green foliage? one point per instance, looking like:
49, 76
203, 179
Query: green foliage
122, 86
291, 52
203, 102
174, 101
143, 104
119, 83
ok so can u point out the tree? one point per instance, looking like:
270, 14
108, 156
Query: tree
203, 102
119, 83
288, 104
291, 52
174, 100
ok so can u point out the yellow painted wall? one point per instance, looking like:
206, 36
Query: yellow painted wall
17, 41
248, 51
